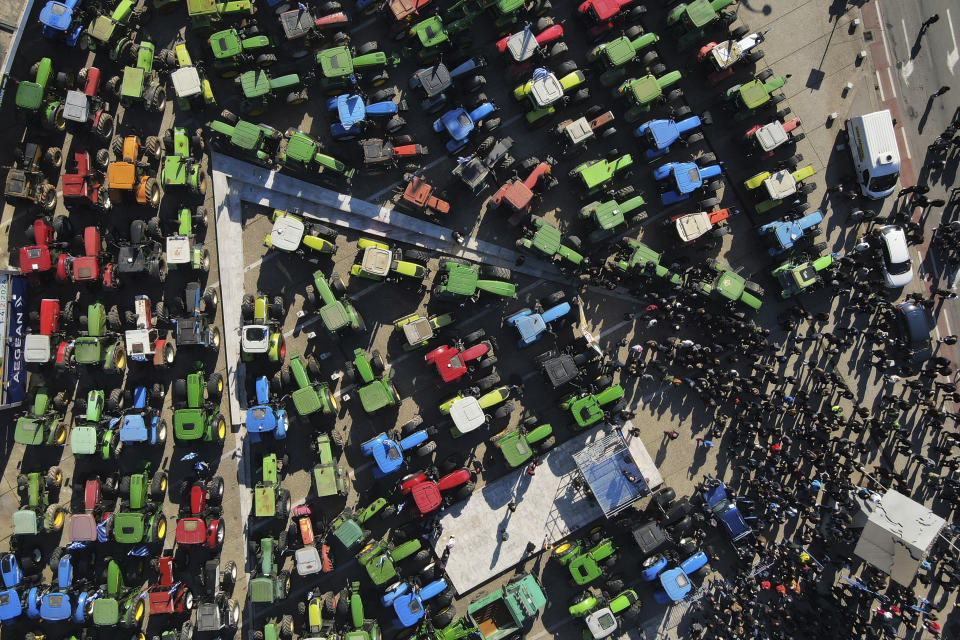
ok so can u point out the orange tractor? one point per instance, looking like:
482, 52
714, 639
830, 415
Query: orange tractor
133, 170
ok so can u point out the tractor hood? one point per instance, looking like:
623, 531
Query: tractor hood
83, 440
133, 429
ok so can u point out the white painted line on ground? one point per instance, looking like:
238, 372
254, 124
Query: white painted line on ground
429, 165
883, 33
907, 69
906, 147
893, 88
953, 56
879, 86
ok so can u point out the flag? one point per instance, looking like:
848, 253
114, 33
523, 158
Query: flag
75, 546
190, 456
139, 552
463, 159
539, 73
102, 529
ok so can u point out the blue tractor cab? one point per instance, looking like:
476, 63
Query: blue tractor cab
408, 604
678, 181
658, 135
51, 606
724, 509
783, 234
353, 112
387, 450
532, 324
61, 21
676, 582
460, 123
265, 417
10, 570
10, 606
142, 424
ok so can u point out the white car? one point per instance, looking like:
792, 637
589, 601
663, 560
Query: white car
895, 257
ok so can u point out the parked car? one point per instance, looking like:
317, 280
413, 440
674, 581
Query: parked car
894, 256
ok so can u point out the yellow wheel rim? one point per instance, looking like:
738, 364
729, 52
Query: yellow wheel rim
563, 548
222, 429
162, 529
163, 484
220, 385
58, 519
60, 437
138, 612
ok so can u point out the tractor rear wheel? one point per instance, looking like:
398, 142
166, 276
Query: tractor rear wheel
214, 386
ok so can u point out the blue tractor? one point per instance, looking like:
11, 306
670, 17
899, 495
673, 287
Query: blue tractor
679, 181
354, 114
62, 21
460, 124
782, 235
531, 324
658, 135
265, 417
387, 449
407, 601
676, 583
141, 423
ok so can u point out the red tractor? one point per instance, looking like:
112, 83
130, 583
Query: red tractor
417, 196
48, 239
86, 108
88, 267
167, 596
200, 523
606, 14
145, 342
39, 343
523, 47
98, 497
313, 556
427, 492
465, 356
518, 194
765, 139
83, 185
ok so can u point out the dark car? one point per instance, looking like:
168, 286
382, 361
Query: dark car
914, 323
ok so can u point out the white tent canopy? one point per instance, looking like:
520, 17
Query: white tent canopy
897, 536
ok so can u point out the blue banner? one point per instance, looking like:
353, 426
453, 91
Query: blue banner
13, 289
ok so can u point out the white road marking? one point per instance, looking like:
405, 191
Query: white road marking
954, 56
883, 32
907, 69
430, 165
906, 147
893, 86
879, 85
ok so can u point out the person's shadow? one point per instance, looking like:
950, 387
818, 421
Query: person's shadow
926, 114
915, 49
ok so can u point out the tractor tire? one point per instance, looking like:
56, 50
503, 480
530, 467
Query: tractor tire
546, 445
265, 60
130, 318
777, 99
411, 426
101, 159
284, 579
115, 401
414, 255
765, 75
582, 95
554, 298
277, 309
313, 369
755, 56
503, 410
104, 127
153, 148
214, 386
388, 512
297, 97
151, 193
215, 489
157, 98
634, 32
529, 163
158, 486
478, 100
60, 402
806, 189
54, 517
53, 157
565, 67
681, 112
495, 272
444, 598
739, 32
286, 624
614, 585
47, 196
658, 69
543, 24
113, 318
491, 125
112, 87
445, 617
693, 138
421, 557
675, 95
451, 462
623, 192
794, 161
54, 560
426, 449
797, 138
649, 58
367, 47
488, 382
706, 159
283, 504
558, 50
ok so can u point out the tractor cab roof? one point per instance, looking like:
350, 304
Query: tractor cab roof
426, 496
225, 44
601, 623
645, 89
209, 617
771, 135
37, 347
246, 135
434, 80
619, 51
578, 130
561, 370
700, 13
522, 45
287, 233
264, 500
753, 94
189, 423
377, 261
56, 15
82, 527
336, 62
692, 226
190, 331
376, 395
128, 527
546, 90
83, 439
133, 428
467, 414
334, 316
29, 95
55, 607
261, 419
255, 83
28, 431
25, 523
586, 410
10, 605
300, 147
730, 284
255, 338
131, 259
663, 132
76, 106
186, 82
178, 247
191, 531
530, 326
417, 331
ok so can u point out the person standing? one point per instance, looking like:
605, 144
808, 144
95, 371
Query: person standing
929, 21
942, 90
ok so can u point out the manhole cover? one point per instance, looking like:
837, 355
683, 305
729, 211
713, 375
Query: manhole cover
868, 35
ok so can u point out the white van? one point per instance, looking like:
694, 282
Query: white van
876, 158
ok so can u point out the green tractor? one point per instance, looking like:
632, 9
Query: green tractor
100, 345
291, 234
586, 564
801, 274
609, 218
374, 386
140, 83
348, 529
268, 584
435, 34
341, 67
545, 240
253, 142
588, 408
614, 56
235, 49
190, 84
119, 605
301, 153
363, 628
310, 396
725, 285
757, 94
106, 29
146, 526
196, 407
37, 512
261, 332
639, 260
36, 100
419, 330
689, 20
141, 490
93, 433
260, 90
329, 478
515, 444
596, 174
184, 248
377, 261
270, 500
381, 558
43, 422
336, 315
205, 15
508, 12
643, 93
274, 629
459, 279
182, 164
600, 612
